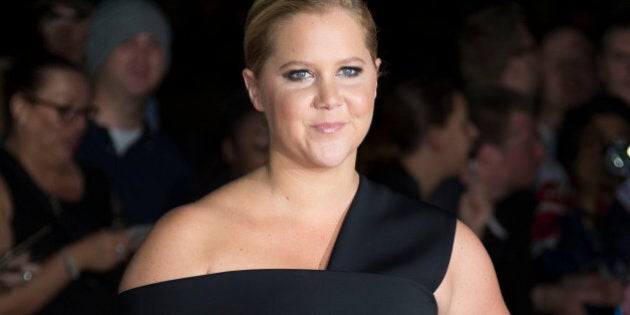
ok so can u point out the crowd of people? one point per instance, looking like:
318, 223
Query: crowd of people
525, 156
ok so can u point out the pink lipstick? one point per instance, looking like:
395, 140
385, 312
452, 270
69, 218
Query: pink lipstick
328, 128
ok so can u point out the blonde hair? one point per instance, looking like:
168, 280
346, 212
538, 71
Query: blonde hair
264, 16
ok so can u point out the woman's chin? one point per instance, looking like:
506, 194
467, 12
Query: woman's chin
333, 157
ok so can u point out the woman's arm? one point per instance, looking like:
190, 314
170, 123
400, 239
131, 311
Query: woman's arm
172, 250
95, 252
470, 285
30, 297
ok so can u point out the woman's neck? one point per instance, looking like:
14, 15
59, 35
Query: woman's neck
310, 189
44, 170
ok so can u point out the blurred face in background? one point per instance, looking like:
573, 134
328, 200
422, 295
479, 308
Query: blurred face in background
522, 73
568, 66
64, 31
135, 67
248, 148
53, 118
588, 167
521, 153
615, 63
458, 135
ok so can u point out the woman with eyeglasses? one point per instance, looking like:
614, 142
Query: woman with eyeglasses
57, 253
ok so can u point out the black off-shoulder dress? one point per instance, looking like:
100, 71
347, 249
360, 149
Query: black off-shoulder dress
391, 254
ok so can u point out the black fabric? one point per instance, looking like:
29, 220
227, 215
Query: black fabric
32, 210
393, 175
390, 255
511, 256
149, 179
448, 193
281, 292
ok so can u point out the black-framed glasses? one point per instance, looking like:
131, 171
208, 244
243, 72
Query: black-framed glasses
64, 111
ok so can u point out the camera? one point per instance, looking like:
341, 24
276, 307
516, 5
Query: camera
617, 158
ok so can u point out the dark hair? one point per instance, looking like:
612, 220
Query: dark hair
413, 108
28, 75
487, 40
577, 119
42, 8
490, 110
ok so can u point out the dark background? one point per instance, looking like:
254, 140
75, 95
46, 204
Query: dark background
417, 38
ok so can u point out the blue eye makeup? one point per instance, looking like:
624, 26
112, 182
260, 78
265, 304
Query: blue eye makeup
303, 74
350, 72
297, 75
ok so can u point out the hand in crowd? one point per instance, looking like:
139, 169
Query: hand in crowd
576, 292
475, 207
20, 270
598, 290
101, 251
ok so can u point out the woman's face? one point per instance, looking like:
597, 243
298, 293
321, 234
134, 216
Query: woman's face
55, 117
317, 88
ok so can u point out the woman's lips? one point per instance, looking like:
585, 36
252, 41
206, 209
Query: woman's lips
328, 128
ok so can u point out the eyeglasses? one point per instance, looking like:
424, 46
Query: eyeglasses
64, 111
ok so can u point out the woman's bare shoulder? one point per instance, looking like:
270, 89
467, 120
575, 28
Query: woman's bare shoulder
183, 242
470, 284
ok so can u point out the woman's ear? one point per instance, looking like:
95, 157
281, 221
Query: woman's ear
377, 63
251, 83
18, 107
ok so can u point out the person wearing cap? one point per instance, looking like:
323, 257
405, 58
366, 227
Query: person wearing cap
128, 53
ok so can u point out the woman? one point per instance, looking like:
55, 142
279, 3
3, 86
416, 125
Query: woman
49, 202
261, 244
430, 131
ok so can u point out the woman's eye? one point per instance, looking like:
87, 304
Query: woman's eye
297, 75
350, 71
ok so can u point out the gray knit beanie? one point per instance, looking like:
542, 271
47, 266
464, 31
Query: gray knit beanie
114, 21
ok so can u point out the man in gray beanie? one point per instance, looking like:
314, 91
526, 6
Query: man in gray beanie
116, 21
128, 53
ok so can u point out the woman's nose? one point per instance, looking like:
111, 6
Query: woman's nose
328, 96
